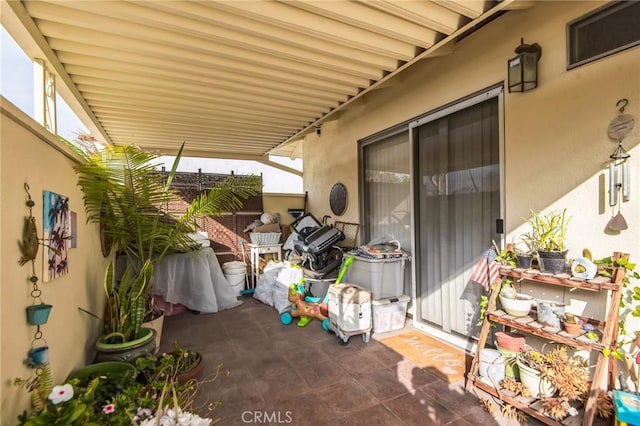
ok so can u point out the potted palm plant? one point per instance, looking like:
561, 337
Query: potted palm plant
547, 237
123, 194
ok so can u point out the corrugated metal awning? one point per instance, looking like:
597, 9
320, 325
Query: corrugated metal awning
235, 79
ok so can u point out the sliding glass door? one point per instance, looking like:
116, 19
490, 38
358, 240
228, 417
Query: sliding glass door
456, 167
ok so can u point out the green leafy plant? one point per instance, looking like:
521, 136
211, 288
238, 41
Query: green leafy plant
548, 231
629, 307
39, 386
124, 195
168, 364
507, 256
142, 396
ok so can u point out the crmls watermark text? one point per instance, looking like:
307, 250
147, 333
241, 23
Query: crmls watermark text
272, 417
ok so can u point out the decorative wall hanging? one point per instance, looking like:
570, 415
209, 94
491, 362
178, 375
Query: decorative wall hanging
619, 173
57, 230
338, 199
38, 312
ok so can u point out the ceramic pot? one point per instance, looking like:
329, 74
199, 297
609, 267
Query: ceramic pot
510, 341
538, 387
572, 328
156, 323
111, 369
144, 345
492, 365
520, 306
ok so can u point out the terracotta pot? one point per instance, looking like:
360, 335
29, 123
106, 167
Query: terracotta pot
572, 328
510, 341
185, 376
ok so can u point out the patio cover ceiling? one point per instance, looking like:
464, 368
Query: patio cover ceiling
235, 79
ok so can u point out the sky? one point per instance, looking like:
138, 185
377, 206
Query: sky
16, 85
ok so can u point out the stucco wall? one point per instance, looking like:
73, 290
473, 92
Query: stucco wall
555, 143
281, 203
69, 333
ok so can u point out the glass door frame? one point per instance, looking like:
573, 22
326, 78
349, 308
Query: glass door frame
496, 91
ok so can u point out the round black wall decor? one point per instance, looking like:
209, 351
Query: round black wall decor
338, 199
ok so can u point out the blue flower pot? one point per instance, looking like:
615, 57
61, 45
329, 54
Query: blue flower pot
38, 314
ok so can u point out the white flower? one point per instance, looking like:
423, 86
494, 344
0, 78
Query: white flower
170, 417
61, 394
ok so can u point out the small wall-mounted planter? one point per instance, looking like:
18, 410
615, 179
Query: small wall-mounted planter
38, 314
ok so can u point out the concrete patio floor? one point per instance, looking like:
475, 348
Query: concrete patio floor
277, 374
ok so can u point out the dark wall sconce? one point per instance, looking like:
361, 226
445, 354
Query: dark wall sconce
523, 68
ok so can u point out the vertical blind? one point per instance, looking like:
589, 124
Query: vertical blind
386, 189
458, 201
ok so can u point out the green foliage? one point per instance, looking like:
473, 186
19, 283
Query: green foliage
507, 257
39, 386
124, 194
168, 364
548, 231
118, 399
629, 303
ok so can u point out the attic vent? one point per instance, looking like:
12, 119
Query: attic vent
603, 32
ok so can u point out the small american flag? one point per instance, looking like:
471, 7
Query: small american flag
486, 270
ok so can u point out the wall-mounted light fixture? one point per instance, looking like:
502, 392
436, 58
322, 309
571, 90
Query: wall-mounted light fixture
523, 68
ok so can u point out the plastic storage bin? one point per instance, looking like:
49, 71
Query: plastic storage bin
384, 277
627, 407
389, 313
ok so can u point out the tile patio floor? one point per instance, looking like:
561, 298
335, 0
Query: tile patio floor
276, 374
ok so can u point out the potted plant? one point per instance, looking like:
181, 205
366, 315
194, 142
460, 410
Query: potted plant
572, 324
514, 303
547, 237
112, 393
123, 194
524, 252
180, 364
554, 373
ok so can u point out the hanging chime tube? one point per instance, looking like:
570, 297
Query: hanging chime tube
612, 184
626, 179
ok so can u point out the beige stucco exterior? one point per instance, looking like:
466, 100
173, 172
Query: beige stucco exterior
27, 154
555, 147
555, 137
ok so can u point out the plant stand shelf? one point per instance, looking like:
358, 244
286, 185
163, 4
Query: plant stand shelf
604, 369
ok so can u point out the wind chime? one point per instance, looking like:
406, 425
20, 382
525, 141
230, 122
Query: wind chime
619, 172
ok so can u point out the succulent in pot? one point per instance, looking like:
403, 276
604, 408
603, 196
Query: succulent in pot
514, 303
561, 378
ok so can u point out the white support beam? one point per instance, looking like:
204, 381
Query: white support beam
16, 17
39, 96
50, 106
281, 167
